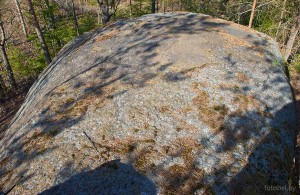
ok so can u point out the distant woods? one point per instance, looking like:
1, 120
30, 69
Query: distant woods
33, 31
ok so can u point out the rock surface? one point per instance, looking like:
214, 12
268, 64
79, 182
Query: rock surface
166, 103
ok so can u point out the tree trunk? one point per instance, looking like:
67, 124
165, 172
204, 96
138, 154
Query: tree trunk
39, 32
153, 6
21, 18
252, 14
2, 87
98, 18
75, 18
10, 75
140, 5
103, 6
11, 78
130, 4
281, 19
202, 6
292, 38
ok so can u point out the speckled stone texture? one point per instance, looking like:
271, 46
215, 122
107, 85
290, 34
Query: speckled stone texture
167, 103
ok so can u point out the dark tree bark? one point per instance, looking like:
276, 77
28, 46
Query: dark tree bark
2, 87
39, 32
130, 4
75, 18
11, 78
153, 6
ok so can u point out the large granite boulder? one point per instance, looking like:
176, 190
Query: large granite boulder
167, 103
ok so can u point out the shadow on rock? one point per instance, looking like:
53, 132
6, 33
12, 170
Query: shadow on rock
112, 177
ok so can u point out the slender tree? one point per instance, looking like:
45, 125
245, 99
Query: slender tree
130, 5
11, 78
2, 86
292, 38
153, 6
22, 21
281, 18
52, 22
252, 13
75, 18
39, 32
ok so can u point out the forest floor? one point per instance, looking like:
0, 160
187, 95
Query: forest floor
295, 82
11, 104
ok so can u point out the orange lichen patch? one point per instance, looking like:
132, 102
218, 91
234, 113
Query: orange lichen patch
233, 41
242, 77
185, 110
264, 113
182, 124
164, 109
184, 178
6, 178
141, 153
122, 147
4, 161
125, 148
61, 89
67, 107
107, 36
143, 161
77, 109
229, 86
245, 101
212, 116
39, 141
5, 174
184, 147
258, 50
189, 72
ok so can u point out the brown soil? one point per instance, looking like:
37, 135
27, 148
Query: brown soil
295, 82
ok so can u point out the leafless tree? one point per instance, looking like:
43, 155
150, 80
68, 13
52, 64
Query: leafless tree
22, 21
53, 22
252, 14
281, 18
39, 32
291, 41
75, 18
3, 39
